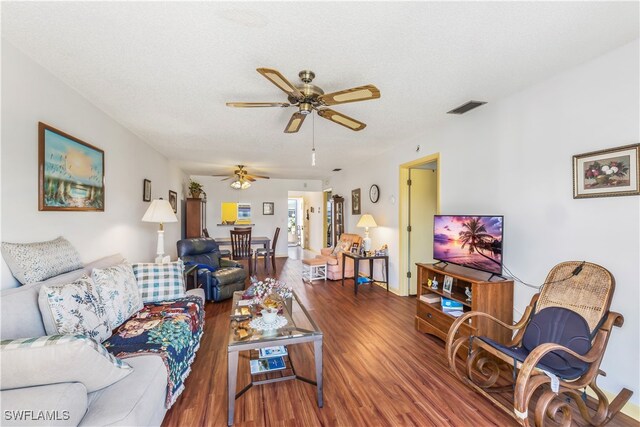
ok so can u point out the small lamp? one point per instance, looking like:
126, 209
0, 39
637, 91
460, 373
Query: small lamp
366, 221
160, 211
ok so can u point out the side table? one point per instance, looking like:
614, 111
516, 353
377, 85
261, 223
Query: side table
356, 268
191, 277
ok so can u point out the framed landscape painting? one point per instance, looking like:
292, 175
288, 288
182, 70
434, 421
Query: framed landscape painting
70, 172
606, 173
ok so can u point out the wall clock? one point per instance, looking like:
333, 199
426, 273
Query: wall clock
374, 193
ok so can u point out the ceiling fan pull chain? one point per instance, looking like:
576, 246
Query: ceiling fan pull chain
313, 141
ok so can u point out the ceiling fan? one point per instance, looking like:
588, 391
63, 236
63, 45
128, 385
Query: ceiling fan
308, 97
241, 179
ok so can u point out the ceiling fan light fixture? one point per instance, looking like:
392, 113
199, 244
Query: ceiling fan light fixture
240, 184
306, 108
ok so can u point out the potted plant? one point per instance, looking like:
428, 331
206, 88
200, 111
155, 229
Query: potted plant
195, 188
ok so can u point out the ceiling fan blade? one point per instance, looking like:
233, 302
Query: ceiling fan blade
224, 179
294, 123
341, 119
279, 80
250, 178
257, 104
355, 94
257, 176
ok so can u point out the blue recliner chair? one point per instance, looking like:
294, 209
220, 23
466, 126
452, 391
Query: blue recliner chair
219, 278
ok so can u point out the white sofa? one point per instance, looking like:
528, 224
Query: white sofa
136, 400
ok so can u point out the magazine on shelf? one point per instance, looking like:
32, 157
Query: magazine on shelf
452, 304
259, 366
454, 313
276, 351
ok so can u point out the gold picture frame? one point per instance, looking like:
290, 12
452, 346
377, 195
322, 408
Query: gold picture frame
70, 172
607, 173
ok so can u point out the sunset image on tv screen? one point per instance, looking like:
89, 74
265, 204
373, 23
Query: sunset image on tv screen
470, 241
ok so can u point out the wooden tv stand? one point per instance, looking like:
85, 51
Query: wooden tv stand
492, 297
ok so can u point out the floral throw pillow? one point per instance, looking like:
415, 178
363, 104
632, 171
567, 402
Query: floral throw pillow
74, 309
119, 292
342, 246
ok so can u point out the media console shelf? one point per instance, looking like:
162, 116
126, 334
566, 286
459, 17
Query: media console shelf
494, 298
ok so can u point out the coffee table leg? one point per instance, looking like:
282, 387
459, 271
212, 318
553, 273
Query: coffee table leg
317, 346
232, 376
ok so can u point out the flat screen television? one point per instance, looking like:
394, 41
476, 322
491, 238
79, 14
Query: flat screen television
473, 241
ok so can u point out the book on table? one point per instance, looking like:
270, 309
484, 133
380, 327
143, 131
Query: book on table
276, 351
259, 366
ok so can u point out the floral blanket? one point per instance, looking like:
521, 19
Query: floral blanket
171, 329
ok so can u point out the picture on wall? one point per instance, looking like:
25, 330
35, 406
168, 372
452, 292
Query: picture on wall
355, 202
244, 212
173, 200
146, 190
606, 173
70, 172
268, 208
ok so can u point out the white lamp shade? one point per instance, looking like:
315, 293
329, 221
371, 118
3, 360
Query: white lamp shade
366, 220
160, 211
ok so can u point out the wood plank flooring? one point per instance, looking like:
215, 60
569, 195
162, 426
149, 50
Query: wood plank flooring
378, 370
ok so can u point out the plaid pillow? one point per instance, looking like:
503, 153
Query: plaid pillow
159, 282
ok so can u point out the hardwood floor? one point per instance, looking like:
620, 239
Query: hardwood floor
378, 370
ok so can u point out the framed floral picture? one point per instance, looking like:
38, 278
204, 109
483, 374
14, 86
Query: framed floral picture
355, 202
146, 190
268, 208
607, 173
173, 200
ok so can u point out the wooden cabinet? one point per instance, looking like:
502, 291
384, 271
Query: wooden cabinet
338, 217
492, 297
194, 218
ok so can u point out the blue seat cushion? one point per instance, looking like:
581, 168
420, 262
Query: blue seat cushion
202, 266
553, 325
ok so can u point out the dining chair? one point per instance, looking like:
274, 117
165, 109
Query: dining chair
263, 252
241, 247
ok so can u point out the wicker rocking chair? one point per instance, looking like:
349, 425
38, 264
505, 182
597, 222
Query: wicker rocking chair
556, 351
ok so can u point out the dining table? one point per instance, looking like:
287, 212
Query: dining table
265, 242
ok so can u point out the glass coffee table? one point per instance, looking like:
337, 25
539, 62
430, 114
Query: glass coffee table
300, 328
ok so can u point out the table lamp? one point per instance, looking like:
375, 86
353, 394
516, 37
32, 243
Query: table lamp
160, 211
366, 221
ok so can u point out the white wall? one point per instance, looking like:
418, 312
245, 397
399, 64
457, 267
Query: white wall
31, 94
312, 199
272, 190
513, 157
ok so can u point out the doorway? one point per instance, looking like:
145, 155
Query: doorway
294, 221
419, 202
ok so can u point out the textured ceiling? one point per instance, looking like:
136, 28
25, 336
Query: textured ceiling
165, 70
